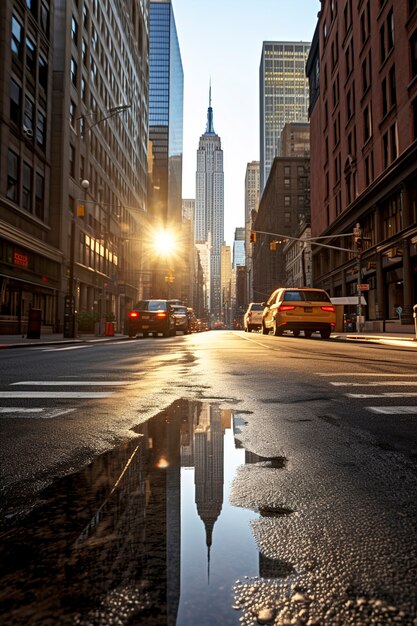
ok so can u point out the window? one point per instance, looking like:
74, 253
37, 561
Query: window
414, 105
286, 171
350, 102
336, 129
390, 31
393, 142
39, 196
15, 102
73, 72
413, 54
83, 90
72, 160
287, 218
287, 200
385, 149
369, 168
392, 87
45, 18
84, 52
286, 182
382, 49
43, 72
41, 130
28, 115
32, 6
74, 30
30, 56
27, 187
412, 4
12, 176
72, 113
367, 123
384, 97
16, 43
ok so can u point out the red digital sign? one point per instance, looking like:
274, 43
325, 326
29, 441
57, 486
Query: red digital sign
20, 259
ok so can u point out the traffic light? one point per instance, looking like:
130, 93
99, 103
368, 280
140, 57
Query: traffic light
80, 209
252, 237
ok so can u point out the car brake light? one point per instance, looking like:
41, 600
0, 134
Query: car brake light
161, 314
328, 307
133, 314
286, 307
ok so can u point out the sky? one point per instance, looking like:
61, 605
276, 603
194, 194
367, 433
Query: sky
221, 41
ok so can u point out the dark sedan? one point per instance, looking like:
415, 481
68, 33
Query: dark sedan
151, 317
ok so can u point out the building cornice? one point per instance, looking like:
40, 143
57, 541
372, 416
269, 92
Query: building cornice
16, 236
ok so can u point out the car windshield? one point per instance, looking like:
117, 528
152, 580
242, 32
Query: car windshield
257, 307
179, 309
151, 305
302, 296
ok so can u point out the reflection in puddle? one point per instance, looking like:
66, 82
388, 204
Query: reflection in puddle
143, 535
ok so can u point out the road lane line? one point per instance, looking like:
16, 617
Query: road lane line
63, 383
19, 413
394, 410
369, 375
55, 394
68, 348
393, 383
411, 394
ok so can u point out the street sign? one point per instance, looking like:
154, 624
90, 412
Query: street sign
363, 287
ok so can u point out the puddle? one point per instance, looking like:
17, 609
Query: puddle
143, 535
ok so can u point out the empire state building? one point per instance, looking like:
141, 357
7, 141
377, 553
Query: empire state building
209, 206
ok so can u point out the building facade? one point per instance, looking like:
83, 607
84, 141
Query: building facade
362, 73
283, 209
209, 205
251, 207
74, 115
283, 90
295, 139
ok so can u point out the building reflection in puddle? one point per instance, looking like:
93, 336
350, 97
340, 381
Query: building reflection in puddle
144, 535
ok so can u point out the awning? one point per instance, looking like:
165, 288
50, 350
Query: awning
352, 300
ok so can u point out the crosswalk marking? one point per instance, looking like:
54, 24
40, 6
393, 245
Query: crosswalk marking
18, 412
394, 383
394, 410
55, 394
59, 383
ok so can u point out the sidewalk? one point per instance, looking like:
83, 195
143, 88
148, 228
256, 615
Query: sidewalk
21, 341
404, 339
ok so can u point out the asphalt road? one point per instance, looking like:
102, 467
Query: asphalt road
332, 484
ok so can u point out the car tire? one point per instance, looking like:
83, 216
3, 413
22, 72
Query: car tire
145, 335
154, 335
265, 331
296, 333
325, 333
307, 334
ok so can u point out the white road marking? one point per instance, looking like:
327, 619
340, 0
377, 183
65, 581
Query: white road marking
68, 348
63, 383
19, 412
394, 410
369, 375
410, 394
55, 394
394, 383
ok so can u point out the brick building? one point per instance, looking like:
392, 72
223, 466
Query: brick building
362, 72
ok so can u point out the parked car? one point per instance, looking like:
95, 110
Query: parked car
182, 319
299, 309
252, 320
151, 317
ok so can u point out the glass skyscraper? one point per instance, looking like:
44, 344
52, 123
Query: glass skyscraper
166, 87
284, 96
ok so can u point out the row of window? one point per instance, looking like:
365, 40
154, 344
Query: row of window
35, 61
25, 186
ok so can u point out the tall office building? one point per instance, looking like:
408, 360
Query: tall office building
284, 96
166, 90
74, 81
251, 207
209, 206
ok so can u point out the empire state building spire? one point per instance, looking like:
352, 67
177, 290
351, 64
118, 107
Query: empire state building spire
209, 127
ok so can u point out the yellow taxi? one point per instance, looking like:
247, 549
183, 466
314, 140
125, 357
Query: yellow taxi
299, 309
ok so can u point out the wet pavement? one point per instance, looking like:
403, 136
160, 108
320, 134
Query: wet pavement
182, 525
143, 535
